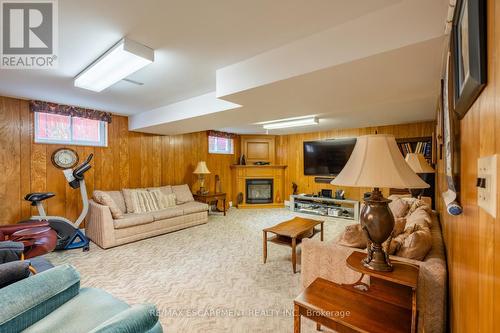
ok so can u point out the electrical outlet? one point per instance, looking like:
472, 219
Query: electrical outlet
230, 204
487, 184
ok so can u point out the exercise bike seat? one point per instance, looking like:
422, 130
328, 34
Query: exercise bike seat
38, 196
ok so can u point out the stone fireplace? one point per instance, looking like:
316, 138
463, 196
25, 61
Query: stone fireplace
259, 191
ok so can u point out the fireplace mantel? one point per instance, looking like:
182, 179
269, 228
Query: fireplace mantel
275, 172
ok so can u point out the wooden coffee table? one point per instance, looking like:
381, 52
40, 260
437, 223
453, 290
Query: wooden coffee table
291, 233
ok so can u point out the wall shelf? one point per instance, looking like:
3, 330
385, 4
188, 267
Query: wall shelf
422, 145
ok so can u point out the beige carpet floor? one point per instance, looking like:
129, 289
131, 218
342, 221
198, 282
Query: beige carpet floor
208, 278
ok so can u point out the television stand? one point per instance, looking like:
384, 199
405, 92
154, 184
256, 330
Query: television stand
340, 208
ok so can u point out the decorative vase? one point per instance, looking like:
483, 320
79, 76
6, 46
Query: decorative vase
377, 222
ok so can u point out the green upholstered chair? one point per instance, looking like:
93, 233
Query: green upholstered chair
52, 301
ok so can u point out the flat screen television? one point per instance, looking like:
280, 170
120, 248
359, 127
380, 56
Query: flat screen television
327, 157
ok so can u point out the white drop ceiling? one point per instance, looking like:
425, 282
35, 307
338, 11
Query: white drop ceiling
229, 64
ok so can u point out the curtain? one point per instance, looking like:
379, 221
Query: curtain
221, 134
68, 110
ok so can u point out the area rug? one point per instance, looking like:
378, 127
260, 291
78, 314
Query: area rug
208, 278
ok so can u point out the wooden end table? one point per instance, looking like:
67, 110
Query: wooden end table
291, 233
210, 198
387, 304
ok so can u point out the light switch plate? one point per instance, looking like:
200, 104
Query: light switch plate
487, 196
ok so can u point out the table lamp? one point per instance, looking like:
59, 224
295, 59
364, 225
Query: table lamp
202, 170
376, 162
419, 165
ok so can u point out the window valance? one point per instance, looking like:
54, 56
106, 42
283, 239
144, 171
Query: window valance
68, 110
219, 134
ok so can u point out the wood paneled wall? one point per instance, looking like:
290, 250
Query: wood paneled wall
473, 238
131, 160
289, 151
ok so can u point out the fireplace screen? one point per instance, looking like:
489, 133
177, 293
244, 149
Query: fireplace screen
259, 191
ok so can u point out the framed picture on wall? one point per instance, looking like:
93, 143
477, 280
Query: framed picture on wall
469, 57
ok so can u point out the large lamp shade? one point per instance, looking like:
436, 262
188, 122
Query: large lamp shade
201, 169
418, 163
377, 162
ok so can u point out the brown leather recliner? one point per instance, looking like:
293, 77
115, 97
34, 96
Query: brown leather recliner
37, 236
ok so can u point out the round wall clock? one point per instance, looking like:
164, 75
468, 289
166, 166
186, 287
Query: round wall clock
65, 158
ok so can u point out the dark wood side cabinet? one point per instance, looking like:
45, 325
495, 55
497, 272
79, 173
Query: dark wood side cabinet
386, 304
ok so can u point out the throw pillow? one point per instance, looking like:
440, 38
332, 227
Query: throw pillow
182, 194
105, 199
420, 216
171, 199
416, 204
399, 207
417, 244
163, 200
396, 241
166, 189
353, 236
143, 201
399, 226
117, 197
127, 196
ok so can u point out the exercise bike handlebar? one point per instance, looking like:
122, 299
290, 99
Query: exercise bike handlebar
79, 171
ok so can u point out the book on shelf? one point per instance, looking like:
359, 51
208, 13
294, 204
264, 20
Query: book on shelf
419, 147
427, 150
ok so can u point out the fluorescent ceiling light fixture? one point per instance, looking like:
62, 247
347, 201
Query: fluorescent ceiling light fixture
123, 59
292, 123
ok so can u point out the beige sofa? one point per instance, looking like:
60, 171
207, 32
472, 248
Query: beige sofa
107, 232
327, 260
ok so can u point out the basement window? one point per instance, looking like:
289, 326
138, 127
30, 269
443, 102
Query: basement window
218, 145
59, 129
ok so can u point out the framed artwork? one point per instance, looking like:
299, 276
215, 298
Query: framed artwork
451, 148
469, 57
